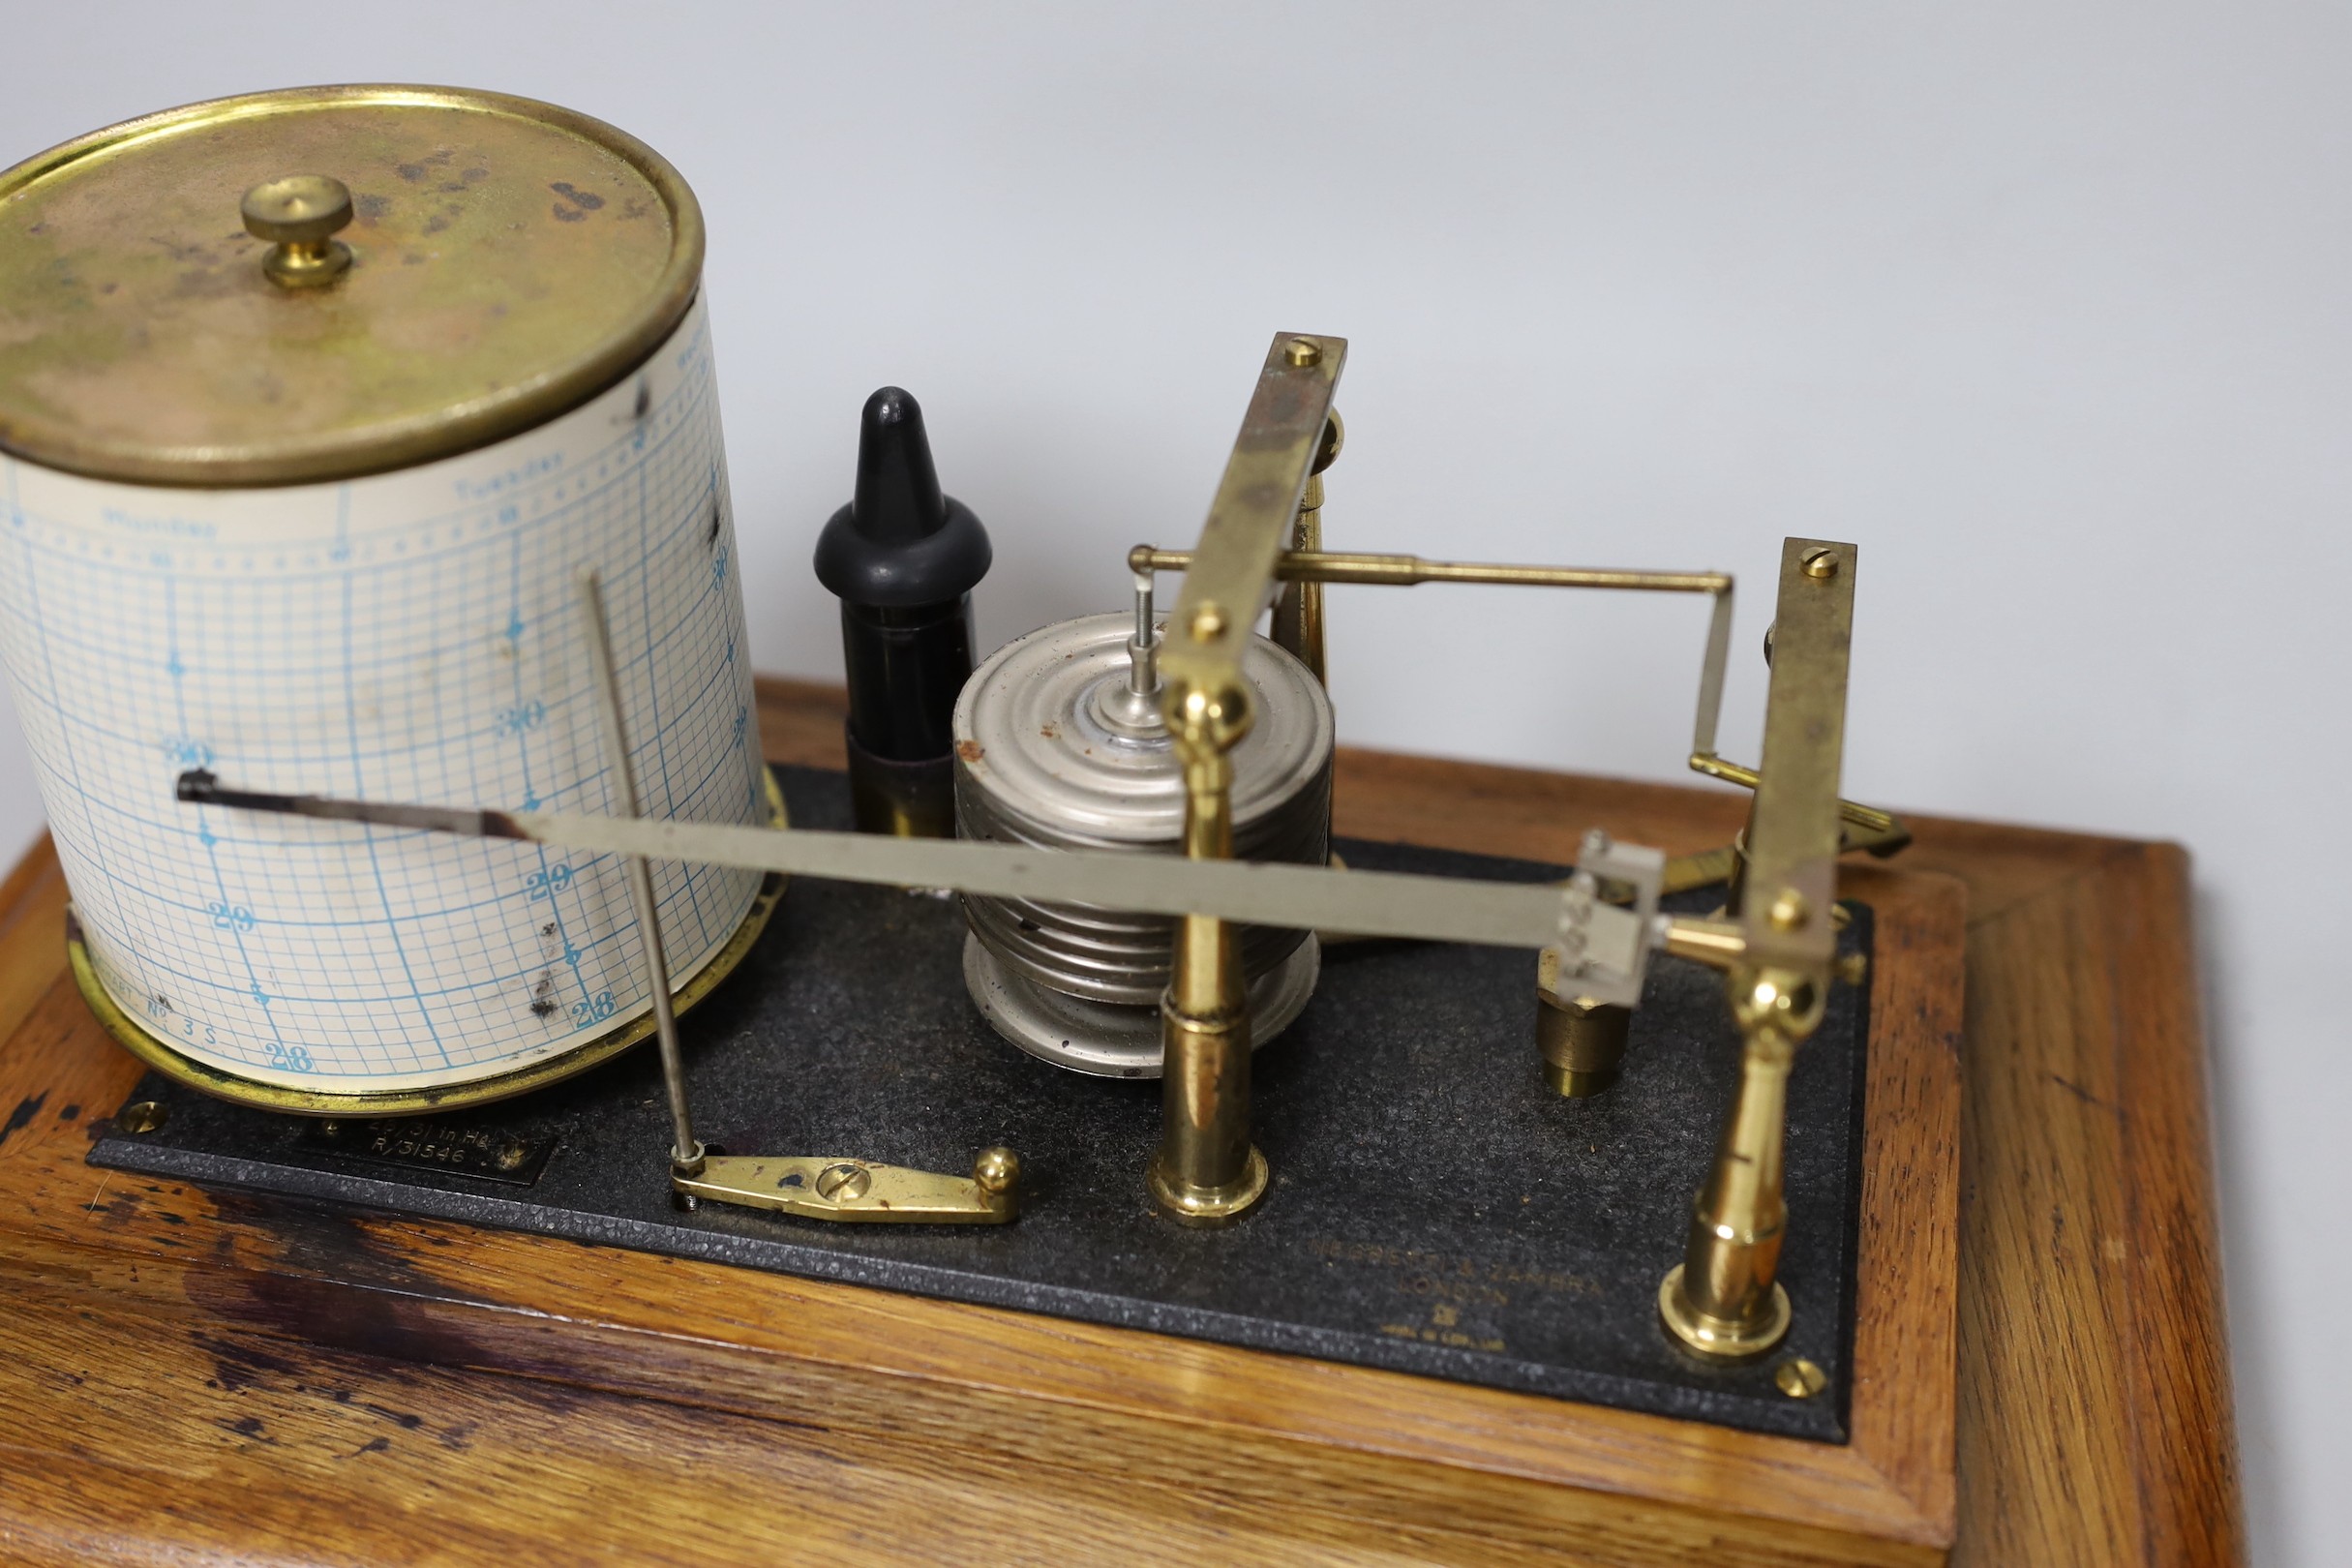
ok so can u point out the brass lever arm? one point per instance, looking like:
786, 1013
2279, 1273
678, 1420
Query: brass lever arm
818, 1188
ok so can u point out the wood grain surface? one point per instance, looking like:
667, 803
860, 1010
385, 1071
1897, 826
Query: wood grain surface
211, 1378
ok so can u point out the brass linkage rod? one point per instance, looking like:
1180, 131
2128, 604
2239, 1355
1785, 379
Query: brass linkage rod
1870, 818
1406, 571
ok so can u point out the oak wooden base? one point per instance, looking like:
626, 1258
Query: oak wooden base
202, 1378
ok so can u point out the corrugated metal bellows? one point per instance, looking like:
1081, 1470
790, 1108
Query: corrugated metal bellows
1054, 748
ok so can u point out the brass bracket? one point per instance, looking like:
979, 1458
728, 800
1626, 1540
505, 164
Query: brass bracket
862, 1192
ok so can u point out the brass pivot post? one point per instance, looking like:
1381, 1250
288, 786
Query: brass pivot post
1722, 1300
299, 216
1206, 1171
1298, 614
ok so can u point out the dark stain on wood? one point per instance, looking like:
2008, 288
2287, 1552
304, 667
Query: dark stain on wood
22, 1116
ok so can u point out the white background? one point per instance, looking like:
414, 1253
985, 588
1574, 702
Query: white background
2045, 306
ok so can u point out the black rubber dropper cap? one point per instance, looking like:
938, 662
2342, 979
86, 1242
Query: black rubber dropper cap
903, 557
900, 543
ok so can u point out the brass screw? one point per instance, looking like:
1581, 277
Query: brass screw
996, 1170
298, 216
843, 1184
1790, 911
1208, 621
1853, 968
1819, 562
1303, 352
141, 1116
330, 1129
1799, 1378
511, 1157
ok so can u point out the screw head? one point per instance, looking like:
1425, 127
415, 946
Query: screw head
141, 1116
843, 1183
1819, 562
1790, 911
1208, 622
1799, 1378
1303, 352
511, 1157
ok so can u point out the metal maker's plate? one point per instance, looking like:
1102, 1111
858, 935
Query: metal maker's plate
475, 1146
1435, 1209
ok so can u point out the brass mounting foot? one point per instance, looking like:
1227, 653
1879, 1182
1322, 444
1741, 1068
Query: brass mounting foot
1721, 1339
1208, 1207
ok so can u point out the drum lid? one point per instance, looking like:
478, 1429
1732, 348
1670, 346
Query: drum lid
508, 260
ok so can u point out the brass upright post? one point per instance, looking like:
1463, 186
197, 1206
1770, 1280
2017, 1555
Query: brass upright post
1722, 1300
1206, 1172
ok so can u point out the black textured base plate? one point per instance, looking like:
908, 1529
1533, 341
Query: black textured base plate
1434, 1209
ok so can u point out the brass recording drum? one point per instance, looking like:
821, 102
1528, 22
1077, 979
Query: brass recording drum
1059, 744
313, 406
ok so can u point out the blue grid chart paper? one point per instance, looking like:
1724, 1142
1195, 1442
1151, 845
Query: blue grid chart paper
413, 636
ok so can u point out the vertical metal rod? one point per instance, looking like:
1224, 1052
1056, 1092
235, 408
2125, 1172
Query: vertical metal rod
685, 1150
1143, 648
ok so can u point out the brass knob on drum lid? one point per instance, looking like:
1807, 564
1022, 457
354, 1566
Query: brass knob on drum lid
299, 216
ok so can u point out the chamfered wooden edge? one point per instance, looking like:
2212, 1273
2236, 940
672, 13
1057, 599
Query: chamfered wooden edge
2181, 1373
699, 1334
2096, 1388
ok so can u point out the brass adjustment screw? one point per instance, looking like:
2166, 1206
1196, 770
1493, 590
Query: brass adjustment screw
141, 1116
299, 216
1303, 352
1208, 622
1821, 563
1790, 911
